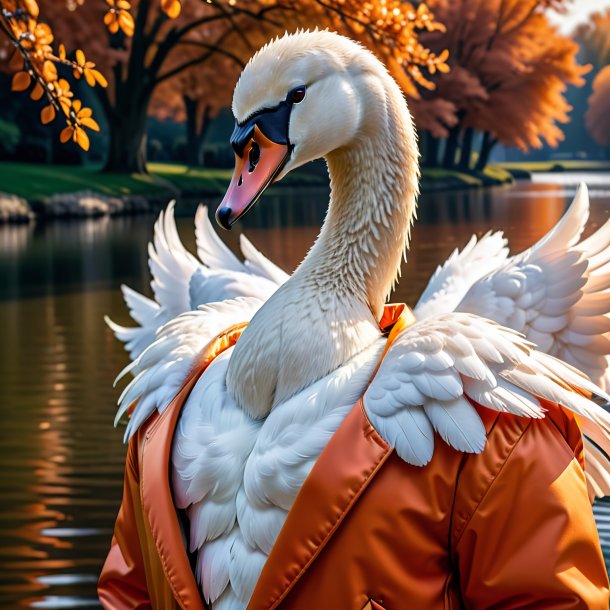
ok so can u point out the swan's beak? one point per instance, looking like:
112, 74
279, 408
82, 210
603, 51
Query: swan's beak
255, 169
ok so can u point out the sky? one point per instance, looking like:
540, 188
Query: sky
578, 13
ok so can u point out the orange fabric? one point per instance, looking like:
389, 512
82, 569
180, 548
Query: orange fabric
509, 528
147, 566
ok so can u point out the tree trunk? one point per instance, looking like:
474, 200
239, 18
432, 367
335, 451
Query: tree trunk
196, 129
451, 146
127, 149
466, 151
486, 147
432, 146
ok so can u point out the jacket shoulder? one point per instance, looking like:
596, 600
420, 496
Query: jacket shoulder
542, 448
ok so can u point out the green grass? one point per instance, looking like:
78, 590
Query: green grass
35, 182
455, 179
558, 165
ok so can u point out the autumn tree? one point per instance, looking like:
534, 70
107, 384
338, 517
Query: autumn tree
36, 64
195, 97
594, 38
144, 35
509, 71
597, 118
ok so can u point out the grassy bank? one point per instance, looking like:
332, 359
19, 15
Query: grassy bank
35, 182
436, 178
525, 169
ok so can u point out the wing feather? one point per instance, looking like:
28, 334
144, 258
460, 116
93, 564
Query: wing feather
555, 293
424, 386
450, 282
181, 283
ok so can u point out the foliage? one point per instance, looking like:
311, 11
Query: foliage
38, 69
9, 138
509, 71
391, 27
597, 118
157, 42
595, 38
35, 182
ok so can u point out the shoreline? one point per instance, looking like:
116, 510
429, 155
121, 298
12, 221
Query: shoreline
43, 193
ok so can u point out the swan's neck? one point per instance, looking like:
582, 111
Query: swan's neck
328, 310
365, 234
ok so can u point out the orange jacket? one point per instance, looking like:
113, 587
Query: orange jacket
509, 528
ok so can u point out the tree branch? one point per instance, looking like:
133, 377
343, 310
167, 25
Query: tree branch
198, 60
237, 29
172, 39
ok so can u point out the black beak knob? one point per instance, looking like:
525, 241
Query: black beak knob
222, 217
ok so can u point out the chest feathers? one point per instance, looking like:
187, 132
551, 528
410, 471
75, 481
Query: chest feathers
239, 475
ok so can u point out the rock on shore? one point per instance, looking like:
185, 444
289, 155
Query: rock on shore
14, 209
87, 204
80, 204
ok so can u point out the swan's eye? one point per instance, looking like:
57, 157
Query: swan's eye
297, 95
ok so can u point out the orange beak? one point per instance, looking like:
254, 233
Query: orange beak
257, 167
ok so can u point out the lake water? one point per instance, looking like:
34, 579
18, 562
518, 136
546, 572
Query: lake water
61, 460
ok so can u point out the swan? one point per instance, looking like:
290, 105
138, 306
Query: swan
263, 411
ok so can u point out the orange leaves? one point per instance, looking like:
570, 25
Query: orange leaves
77, 134
31, 7
37, 92
597, 119
392, 27
21, 81
509, 71
47, 115
171, 8
118, 17
62, 94
38, 68
82, 117
87, 69
595, 42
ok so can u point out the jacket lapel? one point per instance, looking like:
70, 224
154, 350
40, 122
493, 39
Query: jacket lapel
346, 466
157, 501
351, 459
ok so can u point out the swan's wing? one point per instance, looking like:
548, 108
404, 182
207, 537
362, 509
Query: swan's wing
146, 313
223, 275
438, 367
256, 262
181, 283
161, 368
172, 267
210, 248
459, 272
215, 254
556, 293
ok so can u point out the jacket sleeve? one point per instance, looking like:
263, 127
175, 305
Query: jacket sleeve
531, 540
122, 583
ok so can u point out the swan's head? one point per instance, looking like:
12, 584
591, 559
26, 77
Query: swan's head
299, 98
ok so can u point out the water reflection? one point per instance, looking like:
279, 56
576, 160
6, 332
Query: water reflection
61, 460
